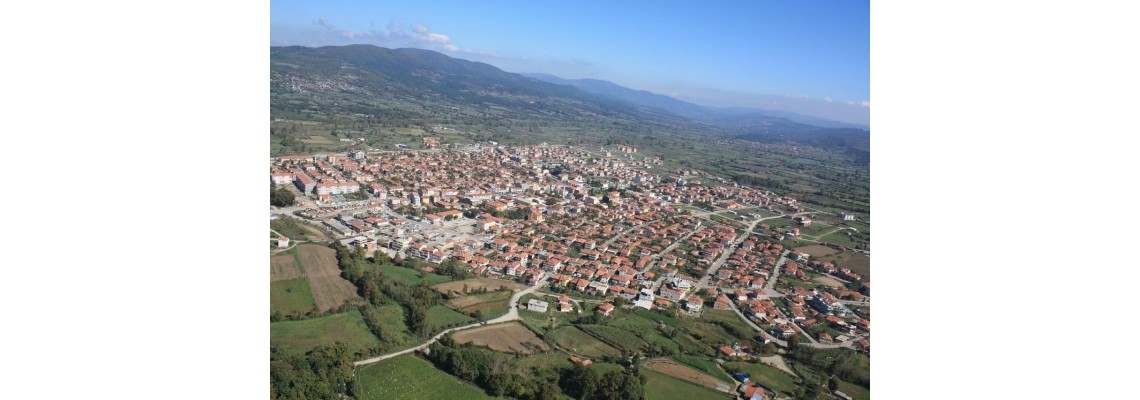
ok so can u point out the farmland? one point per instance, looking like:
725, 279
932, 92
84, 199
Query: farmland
683, 372
410, 276
858, 263
291, 297
329, 289
509, 337
490, 305
442, 317
619, 338
663, 387
297, 230
284, 266
477, 284
302, 336
574, 340
766, 375
408, 377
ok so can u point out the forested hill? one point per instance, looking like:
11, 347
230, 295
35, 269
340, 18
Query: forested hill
365, 86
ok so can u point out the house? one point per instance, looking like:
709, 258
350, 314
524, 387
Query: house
537, 305
672, 294
605, 309
722, 303
645, 299
825, 338
693, 304
282, 241
750, 391
727, 351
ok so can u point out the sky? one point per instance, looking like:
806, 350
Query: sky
810, 57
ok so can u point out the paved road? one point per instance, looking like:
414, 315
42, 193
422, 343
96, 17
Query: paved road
608, 242
770, 286
728, 252
512, 314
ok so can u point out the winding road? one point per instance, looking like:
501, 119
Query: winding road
511, 315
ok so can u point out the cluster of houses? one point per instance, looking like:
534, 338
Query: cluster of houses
596, 225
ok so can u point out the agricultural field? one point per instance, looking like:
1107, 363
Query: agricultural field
858, 263
410, 276
827, 281
765, 375
329, 289
683, 372
818, 250
391, 316
855, 391
408, 377
491, 305
291, 297
702, 364
283, 267
477, 284
663, 387
510, 337
619, 338
574, 340
294, 229
302, 336
442, 317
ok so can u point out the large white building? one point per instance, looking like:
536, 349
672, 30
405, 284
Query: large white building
337, 188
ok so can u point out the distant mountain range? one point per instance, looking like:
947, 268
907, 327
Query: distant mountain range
427, 86
684, 108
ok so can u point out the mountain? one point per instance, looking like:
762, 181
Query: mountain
640, 97
366, 88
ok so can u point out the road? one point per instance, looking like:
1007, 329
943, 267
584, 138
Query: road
611, 240
728, 252
511, 315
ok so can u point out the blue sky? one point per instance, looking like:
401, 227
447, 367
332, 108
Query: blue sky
811, 57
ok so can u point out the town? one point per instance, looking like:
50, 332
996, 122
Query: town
602, 225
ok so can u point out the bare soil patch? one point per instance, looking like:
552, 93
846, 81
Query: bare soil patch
329, 289
476, 284
857, 263
471, 300
509, 337
817, 250
683, 372
283, 267
778, 362
827, 280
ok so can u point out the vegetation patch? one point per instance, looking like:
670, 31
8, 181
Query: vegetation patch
574, 340
659, 386
765, 375
619, 338
509, 337
410, 276
408, 377
442, 318
284, 266
302, 336
329, 289
291, 297
683, 372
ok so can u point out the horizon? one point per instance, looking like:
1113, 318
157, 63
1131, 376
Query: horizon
817, 64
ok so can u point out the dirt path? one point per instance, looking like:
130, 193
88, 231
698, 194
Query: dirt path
778, 362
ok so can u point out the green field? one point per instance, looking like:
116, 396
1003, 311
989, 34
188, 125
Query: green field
574, 340
655, 316
410, 276
765, 375
391, 316
442, 317
620, 338
291, 297
702, 364
855, 391
302, 336
408, 377
664, 387
492, 305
